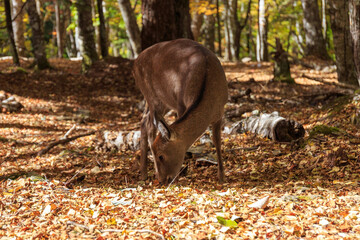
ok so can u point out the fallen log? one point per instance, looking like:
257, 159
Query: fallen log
270, 126
123, 140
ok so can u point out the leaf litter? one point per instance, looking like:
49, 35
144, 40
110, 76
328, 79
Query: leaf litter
307, 189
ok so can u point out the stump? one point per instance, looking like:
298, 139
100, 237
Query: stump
282, 65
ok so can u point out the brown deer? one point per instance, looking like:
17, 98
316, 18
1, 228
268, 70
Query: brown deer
184, 76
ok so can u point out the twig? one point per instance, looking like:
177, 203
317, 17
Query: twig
63, 141
243, 148
69, 132
136, 230
68, 181
338, 84
21, 9
77, 224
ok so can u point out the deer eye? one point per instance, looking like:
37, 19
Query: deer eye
161, 158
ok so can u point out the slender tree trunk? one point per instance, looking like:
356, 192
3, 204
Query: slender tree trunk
354, 14
86, 33
183, 19
323, 20
10, 32
249, 38
96, 29
239, 29
18, 26
262, 49
196, 23
315, 43
209, 31
102, 29
338, 11
132, 29
59, 32
230, 28
37, 38
158, 18
218, 27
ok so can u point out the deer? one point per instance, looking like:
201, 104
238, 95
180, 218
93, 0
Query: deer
183, 76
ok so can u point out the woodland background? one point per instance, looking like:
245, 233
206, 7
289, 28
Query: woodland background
67, 92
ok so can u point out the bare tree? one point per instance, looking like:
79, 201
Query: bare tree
354, 14
315, 42
18, 26
233, 28
197, 20
37, 38
62, 14
10, 32
158, 18
339, 17
86, 34
218, 27
132, 29
182, 19
262, 53
102, 30
209, 30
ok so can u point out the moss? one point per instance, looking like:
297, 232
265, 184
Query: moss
21, 70
323, 129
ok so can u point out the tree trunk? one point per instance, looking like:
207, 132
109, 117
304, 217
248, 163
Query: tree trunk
262, 53
96, 29
158, 18
10, 32
18, 26
132, 29
59, 32
102, 30
323, 19
354, 14
86, 34
249, 39
239, 28
209, 30
37, 38
315, 43
182, 19
230, 28
339, 18
196, 23
281, 65
218, 27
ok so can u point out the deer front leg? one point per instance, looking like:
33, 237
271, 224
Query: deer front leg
148, 132
216, 137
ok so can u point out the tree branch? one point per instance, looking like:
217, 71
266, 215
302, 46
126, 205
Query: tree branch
63, 141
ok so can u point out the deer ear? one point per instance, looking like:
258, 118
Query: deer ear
164, 129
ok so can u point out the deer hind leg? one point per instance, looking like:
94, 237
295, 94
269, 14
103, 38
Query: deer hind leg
216, 137
147, 137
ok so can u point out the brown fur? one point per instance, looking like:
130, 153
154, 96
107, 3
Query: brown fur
184, 76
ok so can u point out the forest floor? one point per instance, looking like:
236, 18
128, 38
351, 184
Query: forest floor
77, 191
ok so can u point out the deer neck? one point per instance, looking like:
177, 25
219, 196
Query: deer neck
190, 128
